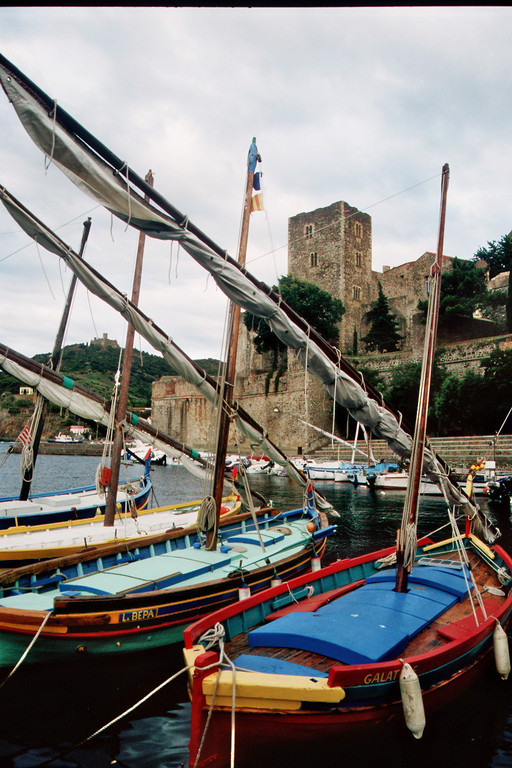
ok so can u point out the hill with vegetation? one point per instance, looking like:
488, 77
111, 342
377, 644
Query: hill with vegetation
94, 366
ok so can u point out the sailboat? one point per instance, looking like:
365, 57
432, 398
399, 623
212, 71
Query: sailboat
383, 637
140, 595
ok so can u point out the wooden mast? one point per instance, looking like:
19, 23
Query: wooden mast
227, 386
117, 447
54, 362
410, 514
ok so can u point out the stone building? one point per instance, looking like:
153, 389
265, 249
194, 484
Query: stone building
331, 247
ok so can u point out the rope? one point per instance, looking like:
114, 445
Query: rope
119, 717
25, 654
207, 513
211, 637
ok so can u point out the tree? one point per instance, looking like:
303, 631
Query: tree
498, 255
463, 290
403, 389
321, 310
383, 335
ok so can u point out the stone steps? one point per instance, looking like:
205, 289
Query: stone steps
459, 452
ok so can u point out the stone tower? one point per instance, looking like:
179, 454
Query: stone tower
332, 247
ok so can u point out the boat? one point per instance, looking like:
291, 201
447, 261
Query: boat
65, 438
297, 681
481, 474
367, 640
26, 544
139, 596
137, 450
82, 503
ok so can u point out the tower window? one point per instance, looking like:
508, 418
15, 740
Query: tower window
358, 259
356, 293
358, 229
314, 259
309, 230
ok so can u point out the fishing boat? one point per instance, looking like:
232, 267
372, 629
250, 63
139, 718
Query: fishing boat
25, 544
368, 640
82, 503
138, 596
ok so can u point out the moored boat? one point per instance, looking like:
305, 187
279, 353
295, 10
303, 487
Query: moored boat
321, 657
140, 595
27, 544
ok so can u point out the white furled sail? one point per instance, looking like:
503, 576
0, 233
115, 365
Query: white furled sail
66, 393
108, 180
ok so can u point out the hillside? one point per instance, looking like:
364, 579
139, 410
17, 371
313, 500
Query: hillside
94, 367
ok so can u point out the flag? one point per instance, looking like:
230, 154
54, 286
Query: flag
24, 436
256, 182
234, 472
257, 203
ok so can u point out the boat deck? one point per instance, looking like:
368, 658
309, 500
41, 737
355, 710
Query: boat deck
369, 623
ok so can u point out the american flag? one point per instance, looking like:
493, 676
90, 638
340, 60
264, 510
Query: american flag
25, 435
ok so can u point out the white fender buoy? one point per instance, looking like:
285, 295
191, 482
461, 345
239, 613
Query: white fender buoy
412, 701
315, 564
276, 581
244, 591
501, 651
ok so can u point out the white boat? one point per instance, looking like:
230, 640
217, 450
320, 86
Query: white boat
481, 474
64, 438
27, 544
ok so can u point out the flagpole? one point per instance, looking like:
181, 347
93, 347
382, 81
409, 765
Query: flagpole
225, 401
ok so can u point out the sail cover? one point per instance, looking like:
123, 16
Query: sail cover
77, 153
66, 393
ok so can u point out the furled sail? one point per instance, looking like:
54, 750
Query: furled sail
186, 367
109, 181
66, 393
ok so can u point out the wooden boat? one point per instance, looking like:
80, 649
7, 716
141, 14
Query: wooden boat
27, 544
321, 657
72, 504
140, 595
360, 642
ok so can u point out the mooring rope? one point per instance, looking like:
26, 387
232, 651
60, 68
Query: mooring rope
26, 652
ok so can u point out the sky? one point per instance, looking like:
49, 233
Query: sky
358, 104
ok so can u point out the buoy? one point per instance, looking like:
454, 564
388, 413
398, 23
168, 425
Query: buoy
244, 591
315, 564
311, 527
275, 582
412, 701
501, 651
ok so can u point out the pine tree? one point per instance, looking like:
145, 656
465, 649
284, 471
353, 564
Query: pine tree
383, 335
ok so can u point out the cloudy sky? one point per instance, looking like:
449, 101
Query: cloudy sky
354, 104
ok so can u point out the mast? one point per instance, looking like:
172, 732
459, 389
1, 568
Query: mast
406, 544
110, 506
226, 392
54, 362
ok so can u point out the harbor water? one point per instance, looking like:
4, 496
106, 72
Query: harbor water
47, 715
